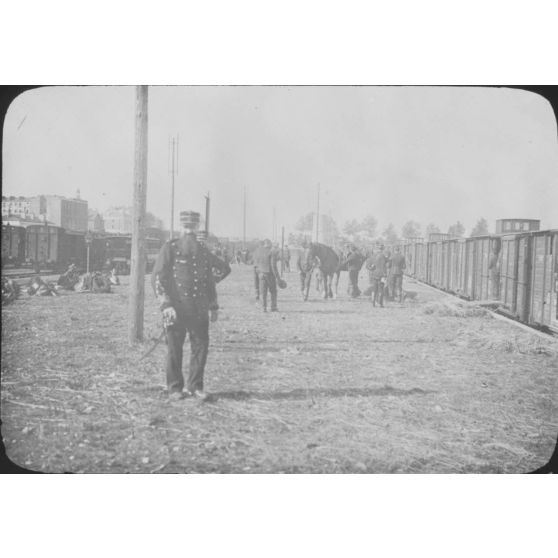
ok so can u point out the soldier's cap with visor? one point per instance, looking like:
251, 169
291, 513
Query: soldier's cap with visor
190, 220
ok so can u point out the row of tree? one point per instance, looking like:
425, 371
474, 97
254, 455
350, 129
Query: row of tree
367, 230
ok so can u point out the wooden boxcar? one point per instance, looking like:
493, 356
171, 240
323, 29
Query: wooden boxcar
53, 247
13, 245
520, 271
477, 254
542, 308
457, 266
115, 252
421, 256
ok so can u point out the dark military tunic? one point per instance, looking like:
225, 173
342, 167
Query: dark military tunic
184, 277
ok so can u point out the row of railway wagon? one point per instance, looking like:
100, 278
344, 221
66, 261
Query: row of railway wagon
54, 248
518, 271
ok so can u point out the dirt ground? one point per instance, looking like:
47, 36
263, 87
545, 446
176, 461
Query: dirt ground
337, 386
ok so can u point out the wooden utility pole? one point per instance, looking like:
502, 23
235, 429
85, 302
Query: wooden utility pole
207, 204
244, 219
282, 249
137, 272
173, 148
318, 217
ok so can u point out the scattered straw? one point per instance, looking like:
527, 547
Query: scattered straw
521, 343
455, 309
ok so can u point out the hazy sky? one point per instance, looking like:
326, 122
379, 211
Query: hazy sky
428, 154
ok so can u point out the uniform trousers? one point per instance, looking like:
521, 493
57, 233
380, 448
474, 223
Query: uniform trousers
257, 283
195, 322
354, 291
378, 290
268, 283
397, 289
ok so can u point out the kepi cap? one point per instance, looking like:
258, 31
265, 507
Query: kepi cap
189, 219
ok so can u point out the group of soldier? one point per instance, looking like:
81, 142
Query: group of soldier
184, 280
385, 273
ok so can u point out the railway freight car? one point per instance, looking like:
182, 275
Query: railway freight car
477, 257
13, 245
52, 247
115, 252
529, 277
517, 271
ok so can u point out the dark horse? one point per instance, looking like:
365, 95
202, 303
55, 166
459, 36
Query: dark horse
342, 266
324, 260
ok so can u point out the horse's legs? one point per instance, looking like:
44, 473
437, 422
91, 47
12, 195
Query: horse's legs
330, 283
318, 280
302, 284
337, 274
307, 282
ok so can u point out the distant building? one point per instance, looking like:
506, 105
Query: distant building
69, 213
118, 220
95, 222
16, 205
517, 225
19, 221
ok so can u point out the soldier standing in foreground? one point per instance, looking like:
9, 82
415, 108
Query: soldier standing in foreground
184, 279
265, 260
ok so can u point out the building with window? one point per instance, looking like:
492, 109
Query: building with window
95, 222
70, 213
16, 205
504, 226
118, 220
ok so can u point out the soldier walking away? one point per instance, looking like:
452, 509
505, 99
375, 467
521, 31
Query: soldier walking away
287, 258
397, 268
257, 275
354, 263
184, 279
377, 265
265, 259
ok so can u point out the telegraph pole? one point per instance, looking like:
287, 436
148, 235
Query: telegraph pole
137, 272
173, 151
274, 226
244, 219
318, 216
282, 249
207, 204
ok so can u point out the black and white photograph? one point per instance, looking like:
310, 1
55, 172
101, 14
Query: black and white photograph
279, 280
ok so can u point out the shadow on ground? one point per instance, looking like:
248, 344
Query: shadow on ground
301, 393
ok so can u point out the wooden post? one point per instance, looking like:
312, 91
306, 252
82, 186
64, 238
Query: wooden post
244, 219
207, 202
282, 249
318, 216
137, 272
172, 193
